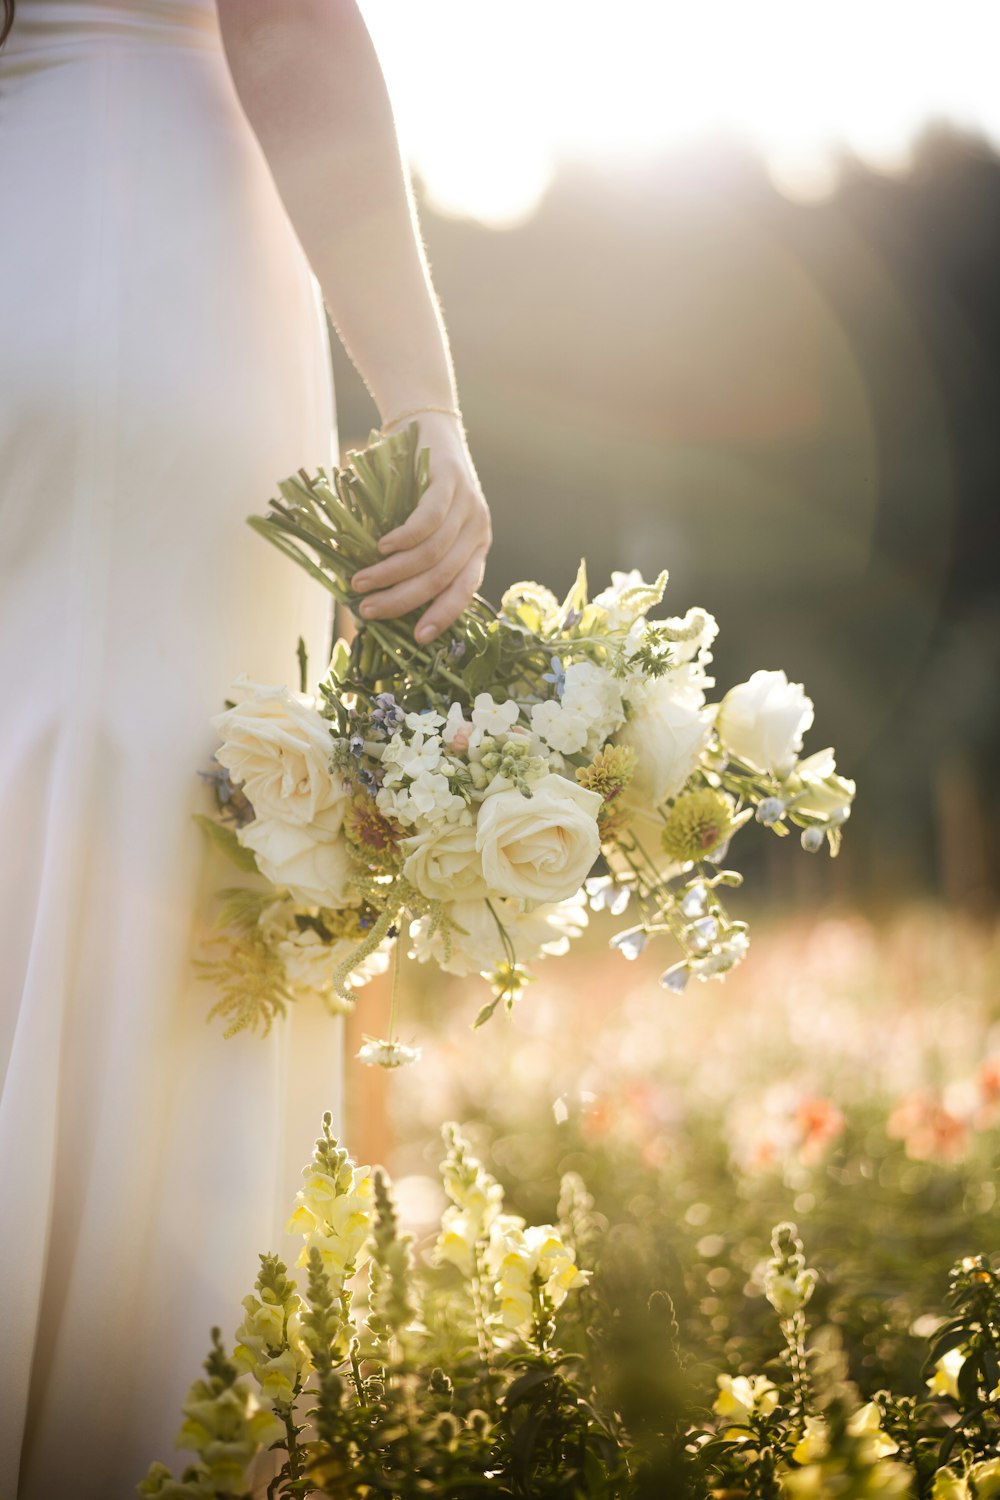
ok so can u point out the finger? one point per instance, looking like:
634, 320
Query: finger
432, 507
414, 560
456, 597
403, 597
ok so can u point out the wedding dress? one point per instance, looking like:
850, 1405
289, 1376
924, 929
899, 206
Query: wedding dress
163, 361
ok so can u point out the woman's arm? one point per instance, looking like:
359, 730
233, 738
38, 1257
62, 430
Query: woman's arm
313, 91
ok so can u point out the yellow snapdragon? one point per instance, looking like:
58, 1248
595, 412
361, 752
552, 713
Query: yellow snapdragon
742, 1397
528, 1263
950, 1486
867, 1423
814, 1442
226, 1429
944, 1381
986, 1477
334, 1215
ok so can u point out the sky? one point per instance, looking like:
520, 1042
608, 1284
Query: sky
490, 95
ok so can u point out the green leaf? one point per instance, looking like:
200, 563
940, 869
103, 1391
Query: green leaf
526, 1383
223, 836
480, 671
947, 1338
486, 1012
969, 1381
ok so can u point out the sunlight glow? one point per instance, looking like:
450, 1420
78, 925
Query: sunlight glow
491, 94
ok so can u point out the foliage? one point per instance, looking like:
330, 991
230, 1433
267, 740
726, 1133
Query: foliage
493, 1363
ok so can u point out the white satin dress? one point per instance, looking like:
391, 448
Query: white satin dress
163, 361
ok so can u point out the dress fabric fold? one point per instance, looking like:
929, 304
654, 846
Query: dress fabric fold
163, 362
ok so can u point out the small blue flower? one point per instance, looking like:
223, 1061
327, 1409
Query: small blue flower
573, 619
607, 895
694, 901
703, 934
675, 978
770, 810
388, 713
557, 676
631, 943
357, 744
812, 840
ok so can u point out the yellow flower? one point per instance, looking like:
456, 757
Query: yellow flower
609, 773
814, 1442
867, 1423
986, 1477
335, 1217
950, 1486
742, 1397
697, 823
526, 1262
944, 1381
277, 1378
457, 1240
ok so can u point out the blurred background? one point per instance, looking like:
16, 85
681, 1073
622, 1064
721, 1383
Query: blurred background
721, 284
722, 292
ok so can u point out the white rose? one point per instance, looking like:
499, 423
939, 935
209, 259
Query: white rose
539, 848
444, 864
277, 747
762, 721
668, 730
317, 871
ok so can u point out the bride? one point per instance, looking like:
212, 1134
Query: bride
184, 186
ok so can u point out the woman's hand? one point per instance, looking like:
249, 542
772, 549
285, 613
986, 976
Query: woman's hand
439, 554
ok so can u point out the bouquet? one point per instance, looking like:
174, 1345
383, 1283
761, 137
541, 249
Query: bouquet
471, 798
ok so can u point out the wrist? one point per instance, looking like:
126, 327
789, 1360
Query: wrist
399, 418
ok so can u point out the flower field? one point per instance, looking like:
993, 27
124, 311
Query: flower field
740, 1247
847, 1077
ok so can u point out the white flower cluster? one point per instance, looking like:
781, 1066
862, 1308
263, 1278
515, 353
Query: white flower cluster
506, 856
419, 776
586, 712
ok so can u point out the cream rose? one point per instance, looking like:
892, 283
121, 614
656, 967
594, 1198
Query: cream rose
317, 871
668, 730
539, 848
443, 863
277, 747
762, 721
